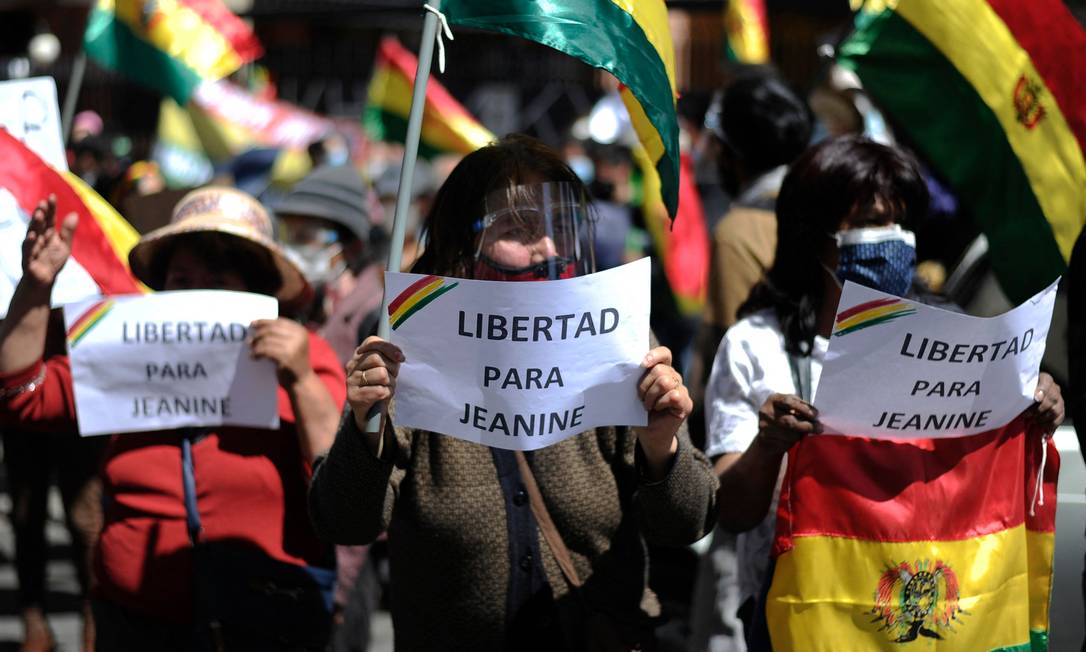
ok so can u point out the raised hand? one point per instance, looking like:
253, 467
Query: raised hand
668, 402
45, 249
284, 342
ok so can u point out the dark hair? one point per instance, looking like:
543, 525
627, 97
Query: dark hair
449, 227
828, 183
764, 122
221, 252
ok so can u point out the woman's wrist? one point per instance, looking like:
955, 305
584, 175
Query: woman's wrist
658, 455
772, 445
302, 381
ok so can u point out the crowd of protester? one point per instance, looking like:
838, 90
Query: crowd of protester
170, 528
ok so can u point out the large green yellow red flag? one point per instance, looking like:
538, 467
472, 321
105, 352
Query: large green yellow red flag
937, 544
102, 238
628, 38
991, 92
169, 45
447, 127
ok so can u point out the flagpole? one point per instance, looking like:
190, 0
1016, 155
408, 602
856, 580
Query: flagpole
75, 84
407, 173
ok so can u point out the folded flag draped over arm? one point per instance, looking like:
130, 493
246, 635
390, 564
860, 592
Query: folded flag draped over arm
991, 92
447, 127
629, 39
169, 45
946, 542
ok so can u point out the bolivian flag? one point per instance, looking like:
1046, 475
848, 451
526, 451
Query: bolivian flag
630, 40
942, 544
683, 245
169, 45
447, 127
991, 92
746, 31
102, 239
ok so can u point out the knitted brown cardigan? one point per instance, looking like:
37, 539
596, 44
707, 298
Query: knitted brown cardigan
442, 504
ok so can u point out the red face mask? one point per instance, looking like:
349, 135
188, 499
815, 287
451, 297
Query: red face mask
548, 270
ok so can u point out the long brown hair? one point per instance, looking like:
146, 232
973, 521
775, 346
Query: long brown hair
449, 228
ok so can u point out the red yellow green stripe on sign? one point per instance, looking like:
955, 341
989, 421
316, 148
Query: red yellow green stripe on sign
871, 313
628, 38
983, 111
415, 297
169, 45
940, 542
447, 127
87, 321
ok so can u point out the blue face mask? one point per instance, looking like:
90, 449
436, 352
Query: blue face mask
880, 258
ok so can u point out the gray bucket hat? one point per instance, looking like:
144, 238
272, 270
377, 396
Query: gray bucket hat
334, 193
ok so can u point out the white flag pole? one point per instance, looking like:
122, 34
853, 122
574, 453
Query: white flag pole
407, 172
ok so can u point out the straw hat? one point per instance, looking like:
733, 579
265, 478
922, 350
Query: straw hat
220, 209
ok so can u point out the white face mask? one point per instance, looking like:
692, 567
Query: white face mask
320, 263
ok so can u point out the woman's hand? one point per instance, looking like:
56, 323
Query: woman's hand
45, 250
784, 419
668, 402
1047, 412
371, 375
284, 342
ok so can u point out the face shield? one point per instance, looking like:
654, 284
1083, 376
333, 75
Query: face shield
535, 232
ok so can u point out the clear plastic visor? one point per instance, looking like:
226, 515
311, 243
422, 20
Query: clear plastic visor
530, 225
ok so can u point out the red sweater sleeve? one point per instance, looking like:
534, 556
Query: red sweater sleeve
49, 406
324, 361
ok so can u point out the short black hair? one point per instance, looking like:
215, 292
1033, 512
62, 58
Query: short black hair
764, 122
829, 182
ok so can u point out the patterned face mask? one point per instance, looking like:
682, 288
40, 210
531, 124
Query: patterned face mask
880, 258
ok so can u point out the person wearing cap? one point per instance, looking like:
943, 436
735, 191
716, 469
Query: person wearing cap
330, 226
469, 567
423, 187
196, 521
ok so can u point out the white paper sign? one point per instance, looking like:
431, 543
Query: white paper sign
29, 111
169, 360
903, 370
520, 366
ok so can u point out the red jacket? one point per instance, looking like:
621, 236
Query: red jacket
250, 485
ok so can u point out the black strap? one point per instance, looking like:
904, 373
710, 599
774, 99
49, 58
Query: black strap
801, 375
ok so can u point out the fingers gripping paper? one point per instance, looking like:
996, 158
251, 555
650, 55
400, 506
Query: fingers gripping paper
520, 366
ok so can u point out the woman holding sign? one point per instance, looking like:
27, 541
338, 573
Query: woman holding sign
492, 549
206, 543
839, 212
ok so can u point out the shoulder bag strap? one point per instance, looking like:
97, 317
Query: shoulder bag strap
801, 375
545, 524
